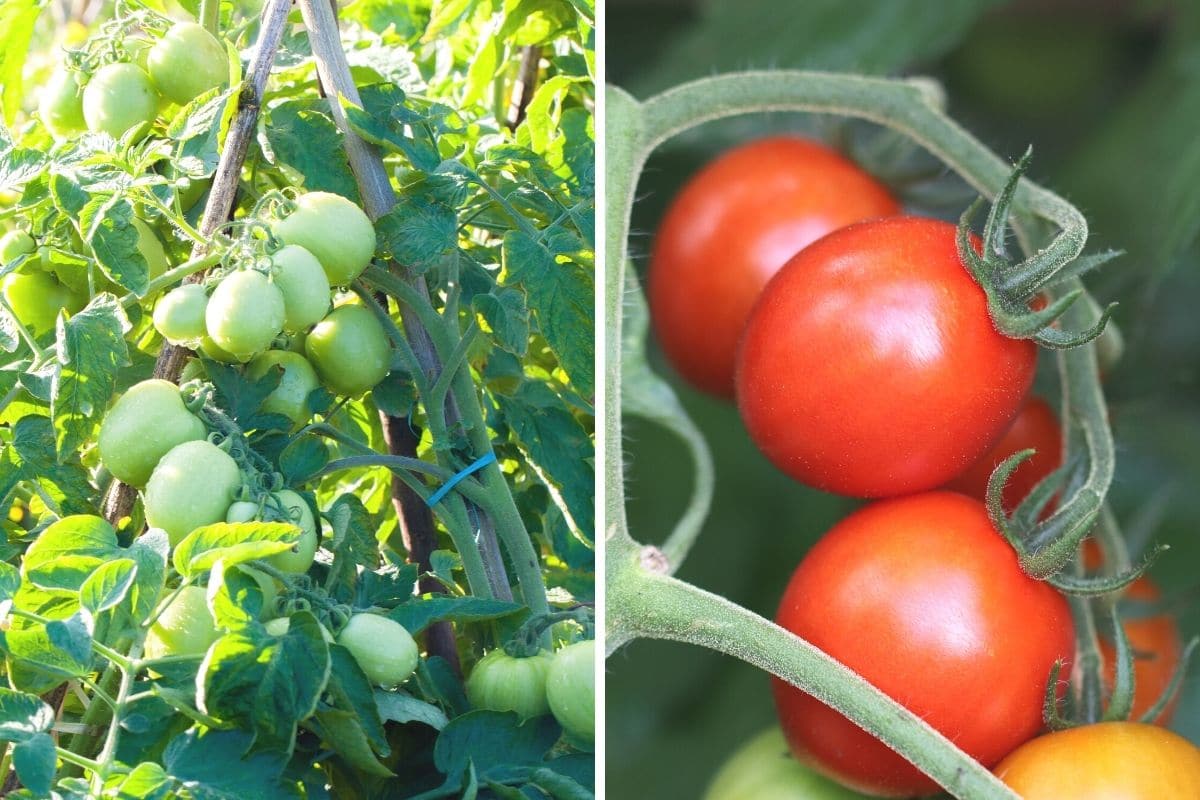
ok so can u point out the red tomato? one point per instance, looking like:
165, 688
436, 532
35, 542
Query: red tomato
1035, 427
923, 598
870, 366
1109, 761
731, 228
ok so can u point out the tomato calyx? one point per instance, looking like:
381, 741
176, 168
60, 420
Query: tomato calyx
1011, 287
527, 641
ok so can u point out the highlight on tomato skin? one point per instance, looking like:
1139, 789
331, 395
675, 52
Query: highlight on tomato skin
730, 228
922, 597
870, 365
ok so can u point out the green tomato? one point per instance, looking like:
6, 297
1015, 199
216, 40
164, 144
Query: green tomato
571, 689
214, 351
305, 287
15, 244
179, 315
36, 298
281, 625
61, 105
192, 486
297, 560
334, 230
187, 62
350, 350
501, 682
184, 628
245, 314
382, 647
151, 249
146, 423
764, 769
117, 98
298, 381
268, 586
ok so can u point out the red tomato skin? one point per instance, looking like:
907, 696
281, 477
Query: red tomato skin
734, 224
870, 366
923, 598
1036, 427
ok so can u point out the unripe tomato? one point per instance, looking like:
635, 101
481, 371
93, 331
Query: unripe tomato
187, 62
870, 366
211, 349
15, 244
36, 298
382, 647
267, 586
245, 314
184, 628
151, 249
923, 598
734, 224
61, 105
297, 560
571, 689
1035, 427
350, 350
501, 682
192, 486
117, 98
764, 769
334, 230
180, 315
299, 380
281, 625
305, 287
1118, 760
145, 423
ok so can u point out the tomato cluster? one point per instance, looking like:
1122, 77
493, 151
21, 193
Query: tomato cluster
865, 362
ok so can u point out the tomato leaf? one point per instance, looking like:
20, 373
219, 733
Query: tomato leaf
233, 543
349, 720
191, 757
23, 716
302, 135
35, 761
67, 552
417, 615
107, 225
108, 585
403, 707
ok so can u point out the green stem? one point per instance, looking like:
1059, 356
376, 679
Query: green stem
210, 16
175, 219
77, 760
172, 276
114, 729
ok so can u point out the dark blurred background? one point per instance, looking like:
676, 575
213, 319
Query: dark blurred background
1108, 94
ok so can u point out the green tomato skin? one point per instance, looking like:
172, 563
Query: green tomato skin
571, 689
179, 315
501, 682
269, 588
214, 351
117, 98
305, 287
184, 628
298, 381
764, 769
382, 647
297, 560
151, 249
15, 244
281, 625
36, 298
145, 424
350, 350
187, 62
192, 486
245, 314
334, 230
61, 105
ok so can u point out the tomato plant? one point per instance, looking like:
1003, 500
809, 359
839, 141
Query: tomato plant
730, 228
1114, 759
256, 529
501, 682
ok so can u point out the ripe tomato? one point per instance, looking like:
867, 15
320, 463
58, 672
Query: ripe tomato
117, 98
1156, 652
36, 298
61, 105
192, 486
571, 689
382, 647
245, 314
764, 769
15, 244
1035, 427
923, 598
501, 682
180, 315
184, 628
350, 350
297, 560
334, 230
305, 287
870, 366
298, 381
731, 228
1119, 760
187, 62
145, 423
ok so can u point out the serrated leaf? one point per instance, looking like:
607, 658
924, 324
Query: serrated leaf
23, 716
66, 553
233, 543
191, 756
109, 585
35, 761
303, 136
416, 615
107, 225
506, 314
419, 233
403, 707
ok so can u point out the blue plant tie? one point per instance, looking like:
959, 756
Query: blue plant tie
475, 466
